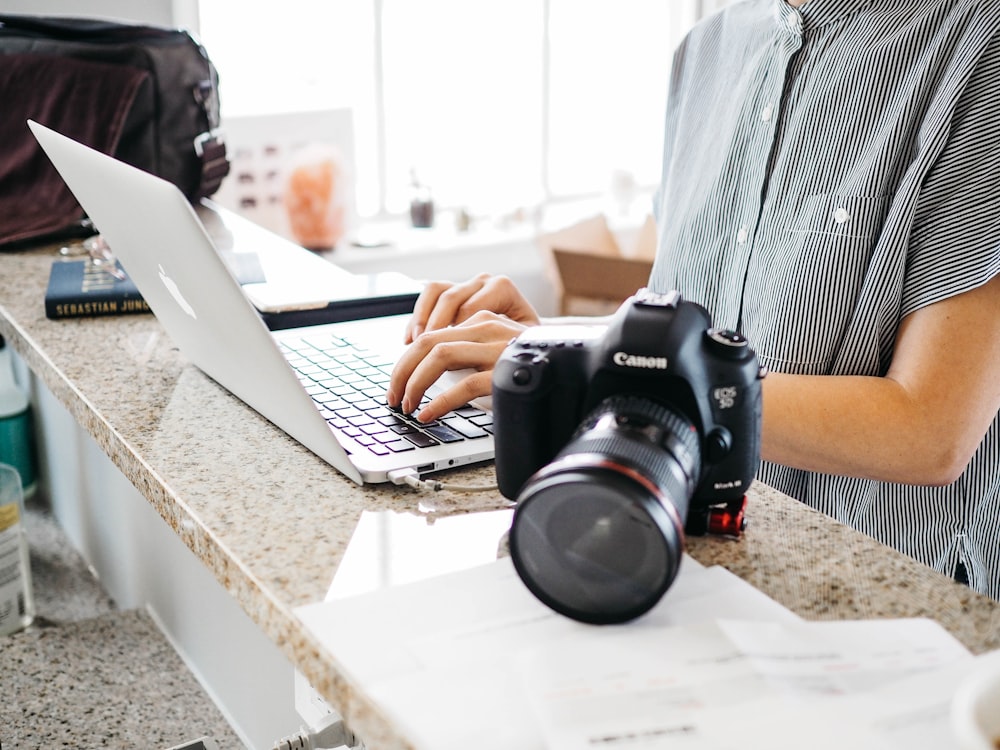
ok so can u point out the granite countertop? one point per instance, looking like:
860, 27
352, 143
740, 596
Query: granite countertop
273, 522
109, 681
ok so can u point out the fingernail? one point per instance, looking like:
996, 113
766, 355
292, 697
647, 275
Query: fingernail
390, 397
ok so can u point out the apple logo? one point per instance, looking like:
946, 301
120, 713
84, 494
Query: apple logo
175, 292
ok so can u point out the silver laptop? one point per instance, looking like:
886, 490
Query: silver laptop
311, 382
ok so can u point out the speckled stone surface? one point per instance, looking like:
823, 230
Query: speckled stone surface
111, 681
65, 589
272, 521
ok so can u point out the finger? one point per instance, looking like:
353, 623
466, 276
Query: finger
500, 295
444, 356
404, 367
474, 344
405, 379
471, 387
450, 300
422, 309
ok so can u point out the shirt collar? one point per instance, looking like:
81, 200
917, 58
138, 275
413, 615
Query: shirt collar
815, 13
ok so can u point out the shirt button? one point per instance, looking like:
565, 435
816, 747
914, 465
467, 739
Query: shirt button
767, 113
841, 216
742, 236
794, 23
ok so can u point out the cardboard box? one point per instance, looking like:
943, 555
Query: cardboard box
593, 268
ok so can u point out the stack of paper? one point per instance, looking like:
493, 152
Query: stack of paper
472, 659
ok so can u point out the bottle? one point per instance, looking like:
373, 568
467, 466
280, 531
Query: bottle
16, 446
421, 203
17, 606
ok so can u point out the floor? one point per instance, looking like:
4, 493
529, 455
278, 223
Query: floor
89, 675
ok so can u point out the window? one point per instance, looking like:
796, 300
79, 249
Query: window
494, 106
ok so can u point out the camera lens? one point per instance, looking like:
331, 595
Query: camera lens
598, 533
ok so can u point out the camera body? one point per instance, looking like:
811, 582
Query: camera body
660, 347
616, 443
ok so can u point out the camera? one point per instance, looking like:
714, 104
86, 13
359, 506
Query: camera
615, 441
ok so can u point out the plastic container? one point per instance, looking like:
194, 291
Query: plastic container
17, 606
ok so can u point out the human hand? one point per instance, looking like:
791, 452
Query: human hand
444, 304
475, 343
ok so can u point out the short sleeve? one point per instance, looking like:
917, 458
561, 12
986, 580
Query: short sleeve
955, 241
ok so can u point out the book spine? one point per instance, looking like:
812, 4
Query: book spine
88, 307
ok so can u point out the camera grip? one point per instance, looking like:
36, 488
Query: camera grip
535, 412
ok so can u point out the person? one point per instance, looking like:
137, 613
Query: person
831, 189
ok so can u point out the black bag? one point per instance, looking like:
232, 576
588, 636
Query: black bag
146, 95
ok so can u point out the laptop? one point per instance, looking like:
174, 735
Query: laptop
293, 287
312, 382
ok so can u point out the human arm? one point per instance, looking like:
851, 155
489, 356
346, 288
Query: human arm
920, 424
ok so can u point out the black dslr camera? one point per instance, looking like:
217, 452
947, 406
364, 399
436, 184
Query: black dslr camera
616, 441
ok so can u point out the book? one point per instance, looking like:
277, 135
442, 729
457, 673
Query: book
82, 289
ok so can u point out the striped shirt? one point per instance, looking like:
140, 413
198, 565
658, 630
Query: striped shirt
828, 170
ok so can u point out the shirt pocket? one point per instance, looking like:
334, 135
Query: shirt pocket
805, 278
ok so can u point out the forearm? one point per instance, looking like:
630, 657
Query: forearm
867, 427
921, 423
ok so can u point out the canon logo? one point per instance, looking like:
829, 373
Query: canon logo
634, 360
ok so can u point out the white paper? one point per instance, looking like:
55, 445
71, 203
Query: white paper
738, 684
440, 655
473, 660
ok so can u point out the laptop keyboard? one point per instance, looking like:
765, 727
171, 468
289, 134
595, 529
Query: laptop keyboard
348, 382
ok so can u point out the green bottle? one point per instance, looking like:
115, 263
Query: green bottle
16, 446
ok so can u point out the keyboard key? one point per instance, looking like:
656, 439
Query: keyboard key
464, 427
468, 411
420, 440
399, 446
391, 419
444, 434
